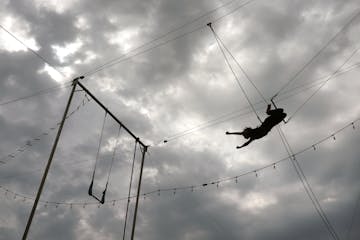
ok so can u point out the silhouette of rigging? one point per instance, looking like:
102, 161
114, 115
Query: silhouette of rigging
275, 117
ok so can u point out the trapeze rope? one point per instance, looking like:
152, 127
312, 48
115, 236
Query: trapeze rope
97, 156
128, 197
111, 165
238, 64
233, 72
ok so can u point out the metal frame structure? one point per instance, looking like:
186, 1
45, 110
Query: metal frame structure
42, 183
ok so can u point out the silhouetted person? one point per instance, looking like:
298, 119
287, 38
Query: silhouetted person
274, 118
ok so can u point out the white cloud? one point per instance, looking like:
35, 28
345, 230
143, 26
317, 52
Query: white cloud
125, 39
253, 202
20, 29
58, 6
69, 49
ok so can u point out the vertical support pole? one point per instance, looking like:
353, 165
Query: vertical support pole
138, 192
75, 81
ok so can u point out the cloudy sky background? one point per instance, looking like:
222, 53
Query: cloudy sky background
168, 87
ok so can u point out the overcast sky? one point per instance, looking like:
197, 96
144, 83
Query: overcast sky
168, 77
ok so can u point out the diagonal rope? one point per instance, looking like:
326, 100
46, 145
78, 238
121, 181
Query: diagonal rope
239, 66
38, 93
126, 56
323, 84
318, 53
32, 50
29, 143
157, 45
129, 192
292, 158
233, 72
307, 186
353, 218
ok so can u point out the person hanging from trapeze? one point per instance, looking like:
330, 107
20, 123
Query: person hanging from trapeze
275, 117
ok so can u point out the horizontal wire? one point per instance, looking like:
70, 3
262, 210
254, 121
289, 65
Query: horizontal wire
160, 37
189, 187
33, 51
125, 57
30, 142
38, 93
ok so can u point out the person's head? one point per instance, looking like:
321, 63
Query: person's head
247, 132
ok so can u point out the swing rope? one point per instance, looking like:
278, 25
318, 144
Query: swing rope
128, 198
111, 165
97, 158
233, 72
238, 64
317, 54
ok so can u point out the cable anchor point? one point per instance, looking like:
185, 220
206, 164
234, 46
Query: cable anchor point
75, 80
209, 24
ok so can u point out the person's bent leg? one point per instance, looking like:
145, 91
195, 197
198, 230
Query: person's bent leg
234, 133
245, 144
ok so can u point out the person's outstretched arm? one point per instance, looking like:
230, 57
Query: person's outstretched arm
268, 109
235, 133
245, 144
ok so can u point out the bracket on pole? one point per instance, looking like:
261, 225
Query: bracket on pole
210, 26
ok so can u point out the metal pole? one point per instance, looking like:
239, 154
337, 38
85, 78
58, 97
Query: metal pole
75, 81
138, 192
110, 113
